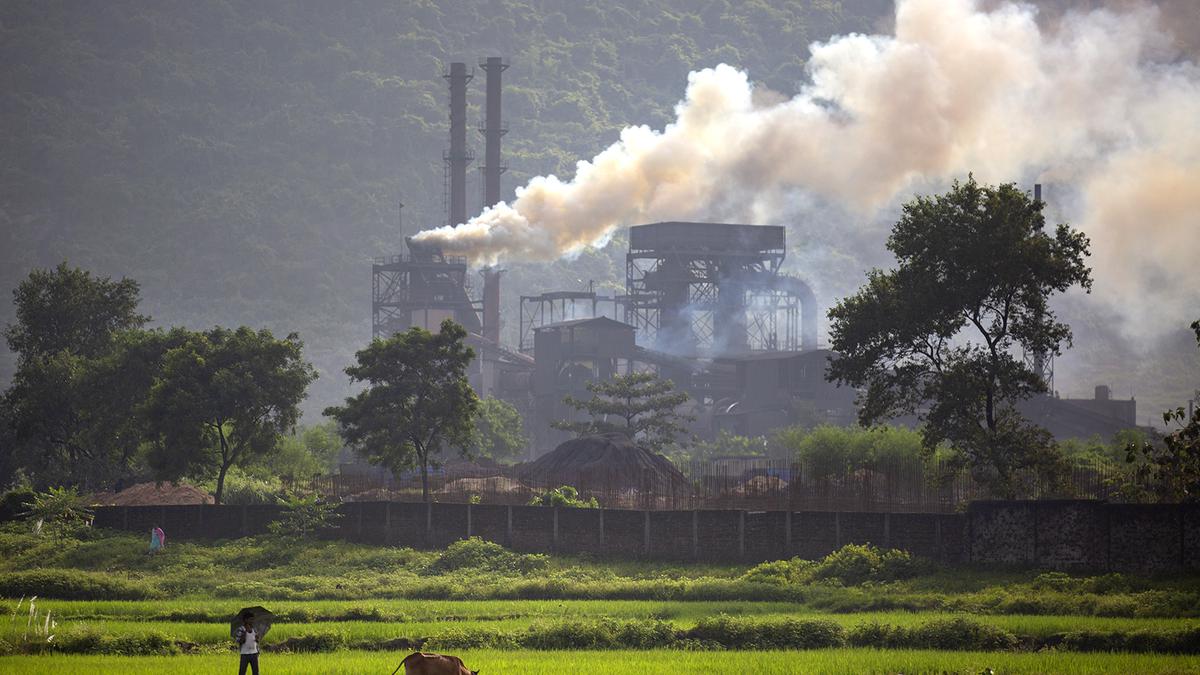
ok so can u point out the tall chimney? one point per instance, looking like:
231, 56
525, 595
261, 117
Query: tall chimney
491, 303
492, 130
458, 157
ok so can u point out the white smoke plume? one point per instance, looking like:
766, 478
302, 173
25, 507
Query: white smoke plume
1094, 101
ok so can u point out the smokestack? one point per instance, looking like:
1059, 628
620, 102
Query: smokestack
458, 157
492, 130
491, 304
1037, 192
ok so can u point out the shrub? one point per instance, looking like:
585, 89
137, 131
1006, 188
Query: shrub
854, 564
741, 633
303, 517
960, 634
565, 496
472, 638
15, 503
93, 641
780, 572
72, 585
485, 556
313, 642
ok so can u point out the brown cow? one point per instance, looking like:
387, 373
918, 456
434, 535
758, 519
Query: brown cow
422, 663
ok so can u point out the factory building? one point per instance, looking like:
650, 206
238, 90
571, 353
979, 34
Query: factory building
706, 305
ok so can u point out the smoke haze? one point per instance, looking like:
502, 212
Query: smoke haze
1099, 104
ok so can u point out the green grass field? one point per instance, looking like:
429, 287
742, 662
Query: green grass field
632, 663
348, 608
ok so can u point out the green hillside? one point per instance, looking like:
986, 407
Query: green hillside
242, 160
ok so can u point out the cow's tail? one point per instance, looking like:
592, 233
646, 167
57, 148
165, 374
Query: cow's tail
402, 662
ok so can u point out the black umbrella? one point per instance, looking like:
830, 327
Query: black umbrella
261, 618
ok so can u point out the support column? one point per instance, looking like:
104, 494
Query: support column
741, 535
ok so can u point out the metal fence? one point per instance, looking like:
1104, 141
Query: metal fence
754, 484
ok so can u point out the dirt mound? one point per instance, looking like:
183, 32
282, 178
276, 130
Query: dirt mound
489, 485
608, 462
151, 494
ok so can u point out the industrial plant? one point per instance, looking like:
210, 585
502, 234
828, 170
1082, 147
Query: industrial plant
706, 305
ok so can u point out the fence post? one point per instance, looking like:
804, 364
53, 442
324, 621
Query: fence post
387, 522
554, 535
695, 534
601, 528
358, 522
468, 520
125, 518
837, 529
646, 533
741, 534
428, 522
508, 529
937, 535
244, 520
787, 535
887, 529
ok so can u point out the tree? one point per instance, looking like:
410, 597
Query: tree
1174, 464
937, 335
68, 310
640, 405
417, 400
499, 431
222, 399
73, 396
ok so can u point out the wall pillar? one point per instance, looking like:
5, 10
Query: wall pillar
837, 530
554, 535
468, 521
508, 530
741, 535
646, 533
602, 528
695, 534
787, 536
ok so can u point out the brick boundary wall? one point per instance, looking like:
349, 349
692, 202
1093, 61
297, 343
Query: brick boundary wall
1064, 535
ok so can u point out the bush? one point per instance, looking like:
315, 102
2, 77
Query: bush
16, 503
741, 633
565, 496
93, 641
780, 572
854, 564
243, 488
312, 643
72, 585
485, 556
946, 634
960, 634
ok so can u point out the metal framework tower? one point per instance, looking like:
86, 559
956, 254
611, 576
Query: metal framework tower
421, 289
714, 288
539, 310
493, 129
458, 156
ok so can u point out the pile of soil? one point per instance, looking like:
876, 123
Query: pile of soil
152, 494
606, 462
489, 485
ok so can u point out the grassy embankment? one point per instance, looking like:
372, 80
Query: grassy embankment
108, 597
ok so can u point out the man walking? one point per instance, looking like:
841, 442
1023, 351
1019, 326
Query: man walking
247, 639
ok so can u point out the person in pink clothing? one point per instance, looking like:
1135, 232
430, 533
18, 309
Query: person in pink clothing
158, 539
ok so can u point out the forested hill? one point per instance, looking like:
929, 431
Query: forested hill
242, 158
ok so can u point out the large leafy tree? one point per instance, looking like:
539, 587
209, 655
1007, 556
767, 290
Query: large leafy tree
640, 405
75, 388
940, 335
1173, 465
417, 400
499, 430
222, 399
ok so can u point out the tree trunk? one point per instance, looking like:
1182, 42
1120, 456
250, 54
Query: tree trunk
220, 484
424, 480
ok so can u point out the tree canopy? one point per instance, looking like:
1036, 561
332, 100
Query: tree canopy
499, 430
639, 405
940, 336
222, 399
417, 400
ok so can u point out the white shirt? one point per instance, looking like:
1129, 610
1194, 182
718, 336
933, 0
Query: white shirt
250, 643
